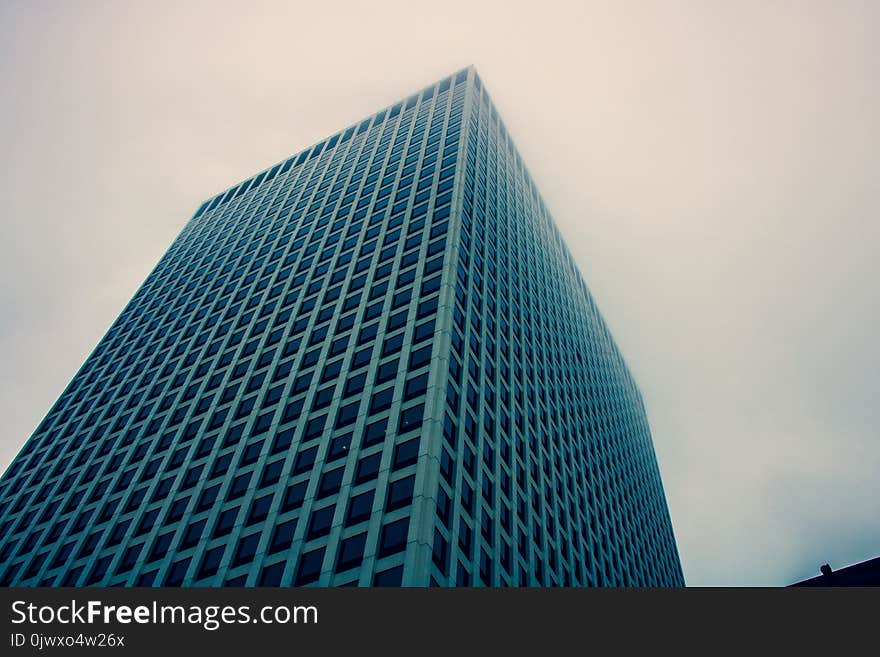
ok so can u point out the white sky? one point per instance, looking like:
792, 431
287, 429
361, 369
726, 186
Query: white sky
713, 166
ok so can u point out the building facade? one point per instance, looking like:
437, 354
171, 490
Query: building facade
374, 363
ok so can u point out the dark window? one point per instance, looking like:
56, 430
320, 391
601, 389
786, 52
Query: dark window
374, 433
225, 522
176, 573
415, 387
304, 460
320, 522
392, 345
440, 552
355, 384
331, 482
444, 506
351, 552
406, 454
420, 358
309, 567
362, 357
393, 537
282, 537
211, 562
192, 534
239, 486
381, 400
292, 411
271, 473
367, 333
367, 468
260, 509
400, 493
339, 447
315, 428
251, 454
411, 418
294, 496
271, 575
347, 414
247, 548
129, 558
396, 321
160, 547
359, 508
323, 398
390, 577
386, 371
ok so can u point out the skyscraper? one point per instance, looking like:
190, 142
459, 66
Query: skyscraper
374, 363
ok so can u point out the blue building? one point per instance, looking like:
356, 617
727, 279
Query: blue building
374, 363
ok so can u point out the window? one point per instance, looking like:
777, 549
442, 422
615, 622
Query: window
302, 383
271, 473
359, 508
175, 513
339, 447
381, 400
192, 534
175, 577
347, 414
331, 482
390, 577
374, 433
405, 454
368, 333
323, 398
225, 522
260, 509
367, 468
440, 552
396, 321
400, 493
271, 575
362, 357
393, 537
251, 454
309, 567
392, 345
444, 506
354, 385
294, 496
239, 486
423, 331
282, 441
415, 387
420, 358
211, 562
282, 537
351, 552
411, 419
331, 371
292, 411
207, 498
386, 371
320, 522
247, 548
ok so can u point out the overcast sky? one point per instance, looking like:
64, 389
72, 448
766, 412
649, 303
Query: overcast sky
714, 167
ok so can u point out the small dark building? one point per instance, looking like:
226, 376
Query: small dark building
866, 573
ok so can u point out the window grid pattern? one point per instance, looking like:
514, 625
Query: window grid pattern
547, 471
374, 363
254, 415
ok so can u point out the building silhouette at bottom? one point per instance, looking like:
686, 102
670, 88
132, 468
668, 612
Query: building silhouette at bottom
865, 573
